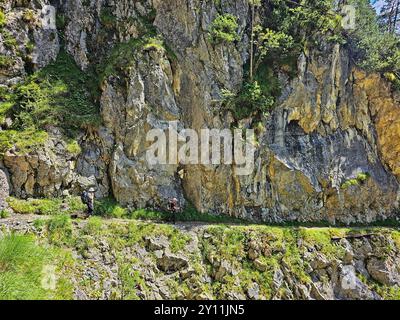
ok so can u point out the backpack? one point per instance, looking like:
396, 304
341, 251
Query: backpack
84, 197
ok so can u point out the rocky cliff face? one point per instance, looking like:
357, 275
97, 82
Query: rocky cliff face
328, 150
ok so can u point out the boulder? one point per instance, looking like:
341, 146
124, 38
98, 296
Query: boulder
171, 263
254, 291
385, 271
350, 287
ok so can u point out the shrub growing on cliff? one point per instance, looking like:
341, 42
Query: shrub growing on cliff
107, 18
3, 19
9, 40
58, 95
5, 61
224, 28
361, 178
249, 100
23, 141
4, 214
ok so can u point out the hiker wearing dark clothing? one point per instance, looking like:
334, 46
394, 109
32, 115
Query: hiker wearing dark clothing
173, 208
88, 199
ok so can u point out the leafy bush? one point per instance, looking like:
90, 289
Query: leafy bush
5, 61
224, 28
61, 21
29, 15
9, 40
361, 178
58, 95
270, 43
124, 55
120, 57
73, 147
249, 100
4, 214
107, 18
24, 140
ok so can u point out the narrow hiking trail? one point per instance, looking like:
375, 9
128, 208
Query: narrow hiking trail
17, 220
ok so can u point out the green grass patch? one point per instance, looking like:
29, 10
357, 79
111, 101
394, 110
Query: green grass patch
107, 18
94, 226
6, 61
23, 271
60, 230
24, 141
323, 239
4, 214
109, 208
3, 19
46, 206
73, 147
277, 247
8, 39
137, 231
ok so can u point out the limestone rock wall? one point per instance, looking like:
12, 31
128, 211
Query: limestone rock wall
53, 171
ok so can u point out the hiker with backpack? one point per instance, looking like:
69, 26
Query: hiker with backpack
173, 208
87, 198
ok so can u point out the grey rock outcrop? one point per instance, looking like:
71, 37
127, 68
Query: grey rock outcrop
4, 189
34, 43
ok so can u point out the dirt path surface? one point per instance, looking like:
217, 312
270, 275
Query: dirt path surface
22, 221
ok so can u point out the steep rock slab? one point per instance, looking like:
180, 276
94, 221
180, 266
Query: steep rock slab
134, 102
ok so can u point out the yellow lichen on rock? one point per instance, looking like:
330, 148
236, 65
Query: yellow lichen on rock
387, 121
